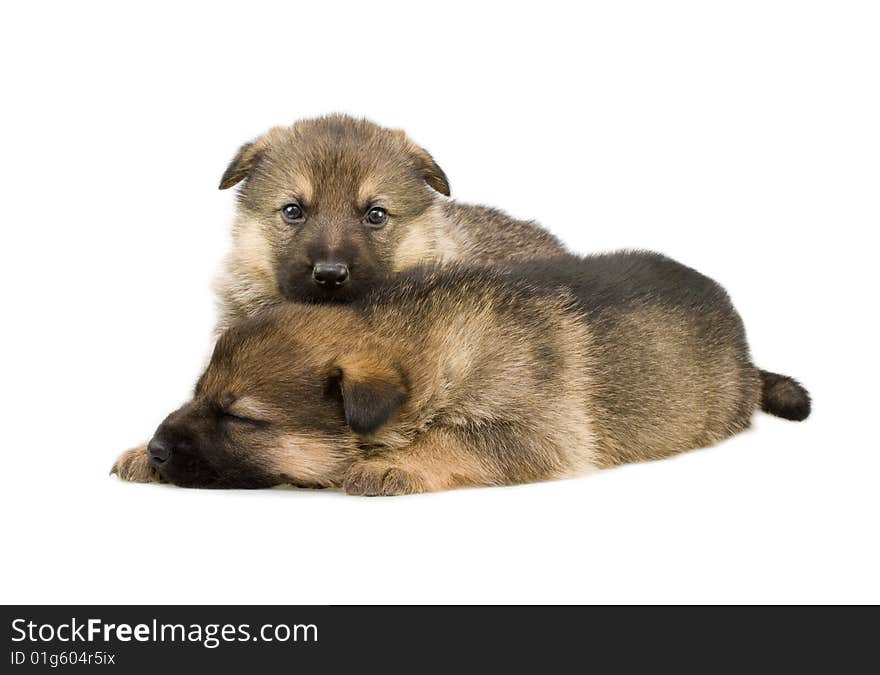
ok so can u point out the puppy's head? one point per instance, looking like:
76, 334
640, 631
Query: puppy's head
286, 398
325, 205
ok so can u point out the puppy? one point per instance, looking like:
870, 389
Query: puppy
453, 376
330, 206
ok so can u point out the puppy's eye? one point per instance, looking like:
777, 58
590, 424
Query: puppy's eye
246, 420
376, 217
292, 213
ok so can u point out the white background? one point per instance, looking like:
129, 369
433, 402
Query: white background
741, 138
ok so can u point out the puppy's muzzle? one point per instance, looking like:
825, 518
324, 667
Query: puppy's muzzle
330, 274
175, 453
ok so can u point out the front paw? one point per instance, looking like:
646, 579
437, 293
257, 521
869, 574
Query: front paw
134, 466
371, 479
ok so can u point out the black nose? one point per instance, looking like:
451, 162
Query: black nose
330, 273
159, 452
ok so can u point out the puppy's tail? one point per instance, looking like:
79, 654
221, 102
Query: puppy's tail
784, 396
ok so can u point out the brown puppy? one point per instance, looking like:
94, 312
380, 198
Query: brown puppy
330, 206
446, 377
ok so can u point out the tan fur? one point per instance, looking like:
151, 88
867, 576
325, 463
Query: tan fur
365, 367
134, 466
252, 408
304, 459
430, 240
247, 283
434, 461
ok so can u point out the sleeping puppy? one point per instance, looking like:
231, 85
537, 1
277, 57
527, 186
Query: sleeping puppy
330, 206
448, 376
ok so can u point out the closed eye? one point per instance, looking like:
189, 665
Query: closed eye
245, 420
245, 410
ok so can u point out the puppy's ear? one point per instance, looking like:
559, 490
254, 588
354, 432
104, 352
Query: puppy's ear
243, 163
372, 391
426, 165
431, 171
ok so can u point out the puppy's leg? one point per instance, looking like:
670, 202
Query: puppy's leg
437, 460
134, 465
